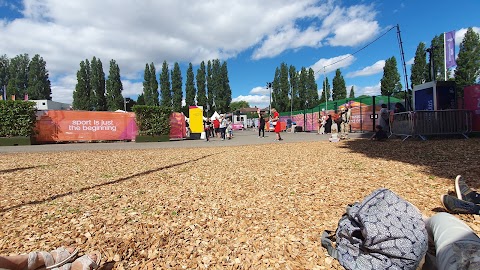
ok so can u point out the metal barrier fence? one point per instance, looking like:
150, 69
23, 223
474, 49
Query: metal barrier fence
427, 123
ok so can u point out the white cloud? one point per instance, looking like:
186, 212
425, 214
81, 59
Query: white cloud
136, 32
260, 91
131, 88
351, 26
373, 90
331, 64
460, 34
411, 61
367, 71
260, 101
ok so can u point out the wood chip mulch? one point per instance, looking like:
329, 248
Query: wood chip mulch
243, 207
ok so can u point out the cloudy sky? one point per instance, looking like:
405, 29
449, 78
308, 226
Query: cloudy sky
253, 36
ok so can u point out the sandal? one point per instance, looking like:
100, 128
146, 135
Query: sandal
86, 262
62, 256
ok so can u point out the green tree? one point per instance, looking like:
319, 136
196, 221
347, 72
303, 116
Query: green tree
4, 64
390, 82
38, 81
114, 88
352, 93
216, 81
18, 76
303, 88
97, 81
154, 85
281, 99
165, 90
177, 90
293, 76
419, 69
312, 89
468, 61
147, 91
339, 87
210, 87
201, 85
82, 93
190, 87
326, 86
237, 105
438, 57
275, 89
141, 99
226, 91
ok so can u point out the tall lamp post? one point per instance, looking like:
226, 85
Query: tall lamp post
269, 87
125, 103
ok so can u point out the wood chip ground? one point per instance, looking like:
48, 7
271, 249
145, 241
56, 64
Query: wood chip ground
243, 207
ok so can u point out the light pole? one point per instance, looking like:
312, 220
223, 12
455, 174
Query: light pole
269, 87
125, 104
325, 89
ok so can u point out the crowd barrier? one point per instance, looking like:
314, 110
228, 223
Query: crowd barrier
426, 123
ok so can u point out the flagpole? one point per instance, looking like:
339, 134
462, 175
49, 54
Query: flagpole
444, 56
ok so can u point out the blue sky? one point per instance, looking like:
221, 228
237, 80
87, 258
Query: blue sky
254, 37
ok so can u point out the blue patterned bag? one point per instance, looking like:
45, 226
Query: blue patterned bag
382, 232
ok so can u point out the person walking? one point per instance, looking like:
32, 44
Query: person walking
261, 124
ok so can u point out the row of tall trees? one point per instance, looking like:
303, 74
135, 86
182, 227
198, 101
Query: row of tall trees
292, 89
212, 87
92, 92
22, 75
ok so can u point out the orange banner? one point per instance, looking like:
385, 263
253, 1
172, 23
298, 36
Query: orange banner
57, 126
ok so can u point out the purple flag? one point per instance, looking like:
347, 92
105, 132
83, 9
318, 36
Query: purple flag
450, 49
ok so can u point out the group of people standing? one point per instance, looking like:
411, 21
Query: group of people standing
342, 122
218, 127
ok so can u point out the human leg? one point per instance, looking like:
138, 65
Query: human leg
34, 260
86, 262
454, 242
464, 192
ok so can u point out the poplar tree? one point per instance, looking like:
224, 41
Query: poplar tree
339, 87
275, 89
294, 99
97, 81
225, 86
326, 87
177, 92
210, 87
390, 82
114, 88
438, 57
147, 91
82, 93
165, 91
419, 70
468, 61
312, 89
352, 93
154, 85
141, 99
303, 87
190, 87
39, 86
201, 86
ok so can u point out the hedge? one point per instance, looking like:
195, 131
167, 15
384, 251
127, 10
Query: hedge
152, 120
17, 118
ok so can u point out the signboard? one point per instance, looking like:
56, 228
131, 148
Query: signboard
196, 121
57, 126
472, 103
424, 99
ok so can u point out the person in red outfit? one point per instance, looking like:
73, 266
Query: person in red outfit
216, 127
276, 123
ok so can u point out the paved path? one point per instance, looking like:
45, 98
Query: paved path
246, 137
